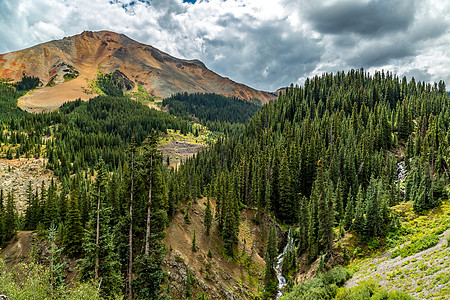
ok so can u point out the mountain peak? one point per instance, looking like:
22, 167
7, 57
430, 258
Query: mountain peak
66, 66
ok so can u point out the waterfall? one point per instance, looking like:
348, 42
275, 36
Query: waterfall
281, 280
401, 174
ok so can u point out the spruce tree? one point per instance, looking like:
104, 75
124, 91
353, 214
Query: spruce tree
359, 221
372, 209
271, 260
349, 211
207, 220
74, 229
100, 193
10, 219
151, 155
101, 260
287, 201
132, 151
31, 210
325, 211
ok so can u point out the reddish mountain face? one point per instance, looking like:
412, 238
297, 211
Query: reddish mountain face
85, 54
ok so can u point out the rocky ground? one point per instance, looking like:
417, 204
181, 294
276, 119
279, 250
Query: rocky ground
15, 175
423, 275
219, 277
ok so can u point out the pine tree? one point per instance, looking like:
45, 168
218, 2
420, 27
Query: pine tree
74, 229
303, 226
30, 212
325, 211
151, 154
100, 189
207, 220
132, 151
349, 211
271, 260
149, 273
287, 204
50, 208
108, 271
338, 205
359, 221
372, 209
194, 245
313, 249
10, 219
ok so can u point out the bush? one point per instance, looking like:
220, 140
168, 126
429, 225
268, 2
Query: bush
324, 286
31, 281
417, 246
338, 276
369, 290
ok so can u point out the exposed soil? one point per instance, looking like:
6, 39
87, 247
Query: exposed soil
19, 249
161, 74
219, 277
27, 246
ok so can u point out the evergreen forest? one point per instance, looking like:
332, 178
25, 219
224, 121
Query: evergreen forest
323, 159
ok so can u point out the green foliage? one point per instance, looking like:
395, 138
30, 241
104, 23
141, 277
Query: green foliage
31, 281
150, 274
109, 265
207, 220
56, 265
325, 286
103, 127
417, 246
369, 290
10, 218
270, 258
27, 83
194, 246
211, 107
190, 280
113, 84
74, 231
8, 101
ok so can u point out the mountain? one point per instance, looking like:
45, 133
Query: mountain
66, 66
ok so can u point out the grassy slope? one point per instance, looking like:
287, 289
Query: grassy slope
419, 263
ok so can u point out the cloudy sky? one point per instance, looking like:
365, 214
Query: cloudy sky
266, 44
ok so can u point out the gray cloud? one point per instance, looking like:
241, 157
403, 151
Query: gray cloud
366, 18
263, 43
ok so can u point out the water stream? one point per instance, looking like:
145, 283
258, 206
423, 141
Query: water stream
278, 269
401, 174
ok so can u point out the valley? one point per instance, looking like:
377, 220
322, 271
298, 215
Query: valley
128, 173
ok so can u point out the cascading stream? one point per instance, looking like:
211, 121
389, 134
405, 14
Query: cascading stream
278, 269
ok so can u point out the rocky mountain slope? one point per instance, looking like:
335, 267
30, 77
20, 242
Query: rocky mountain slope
66, 67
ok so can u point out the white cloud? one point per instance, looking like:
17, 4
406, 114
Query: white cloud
265, 44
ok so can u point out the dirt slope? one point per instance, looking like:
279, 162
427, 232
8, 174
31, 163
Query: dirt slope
218, 277
105, 51
18, 249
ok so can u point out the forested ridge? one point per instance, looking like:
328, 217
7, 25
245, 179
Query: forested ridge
323, 156
321, 159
